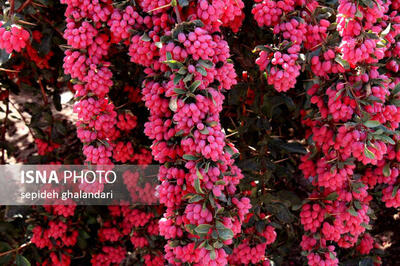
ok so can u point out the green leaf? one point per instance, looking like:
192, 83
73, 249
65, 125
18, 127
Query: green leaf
220, 210
195, 198
218, 244
358, 205
386, 170
396, 89
225, 234
190, 228
371, 123
182, 70
352, 211
57, 101
333, 196
197, 186
4, 56
213, 256
190, 157
395, 189
386, 31
332, 256
179, 91
173, 64
201, 70
177, 78
203, 229
179, 133
366, 226
342, 62
385, 138
204, 131
359, 14
145, 37
368, 3
220, 182
338, 93
199, 175
174, 243
188, 78
294, 147
168, 56
194, 85
21, 260
368, 261
158, 45
206, 63
395, 102
368, 153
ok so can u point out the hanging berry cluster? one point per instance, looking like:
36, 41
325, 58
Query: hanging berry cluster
86, 63
353, 112
187, 66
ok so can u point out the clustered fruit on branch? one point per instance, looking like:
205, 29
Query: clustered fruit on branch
188, 68
350, 58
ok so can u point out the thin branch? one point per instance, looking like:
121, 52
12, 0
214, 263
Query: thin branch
44, 95
12, 7
15, 249
25, 4
47, 21
38, 4
9, 70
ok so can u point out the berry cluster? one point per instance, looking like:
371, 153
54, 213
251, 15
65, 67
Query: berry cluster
97, 116
349, 88
13, 37
184, 102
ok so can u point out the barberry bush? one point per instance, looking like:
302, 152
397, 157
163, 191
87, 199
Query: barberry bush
275, 125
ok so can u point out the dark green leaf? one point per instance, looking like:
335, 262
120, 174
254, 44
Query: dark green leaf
197, 186
294, 147
199, 175
203, 229
204, 131
386, 170
368, 153
21, 260
179, 91
4, 56
145, 37
342, 62
333, 196
190, 157
177, 78
194, 85
206, 63
213, 256
396, 89
201, 70
366, 262
352, 211
395, 189
195, 198
371, 123
358, 205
